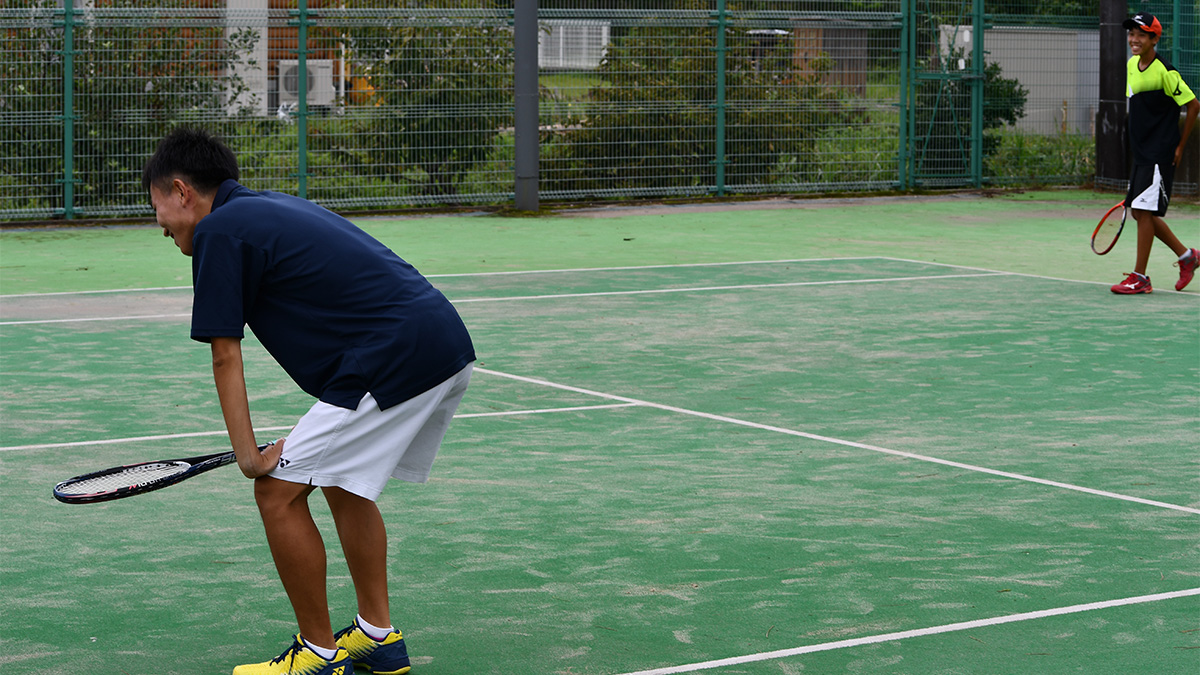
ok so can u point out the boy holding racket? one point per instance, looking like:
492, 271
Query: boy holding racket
383, 351
1156, 93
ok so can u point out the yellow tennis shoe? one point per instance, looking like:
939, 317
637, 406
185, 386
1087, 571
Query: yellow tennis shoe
300, 660
388, 656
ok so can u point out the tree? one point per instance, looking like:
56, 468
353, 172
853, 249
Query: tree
652, 125
442, 90
131, 84
943, 119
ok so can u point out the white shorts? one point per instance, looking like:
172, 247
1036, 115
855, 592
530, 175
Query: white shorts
358, 450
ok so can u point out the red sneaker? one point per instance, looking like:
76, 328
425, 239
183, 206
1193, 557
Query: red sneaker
1134, 283
1187, 269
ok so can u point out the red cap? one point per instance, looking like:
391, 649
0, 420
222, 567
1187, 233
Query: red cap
1146, 21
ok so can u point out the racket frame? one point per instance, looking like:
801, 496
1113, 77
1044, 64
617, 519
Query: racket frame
1120, 228
198, 465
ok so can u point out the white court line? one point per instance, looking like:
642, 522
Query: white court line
1021, 274
647, 267
920, 632
701, 289
201, 434
616, 269
852, 444
652, 291
492, 274
131, 439
151, 289
97, 318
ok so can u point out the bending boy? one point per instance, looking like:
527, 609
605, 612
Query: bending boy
383, 351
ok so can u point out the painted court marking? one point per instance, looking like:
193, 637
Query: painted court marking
920, 632
202, 434
702, 289
132, 317
652, 291
839, 441
498, 274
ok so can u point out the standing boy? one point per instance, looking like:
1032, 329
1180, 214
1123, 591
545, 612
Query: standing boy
1156, 93
383, 351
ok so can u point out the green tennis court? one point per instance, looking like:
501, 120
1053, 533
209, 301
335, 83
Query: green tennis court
899, 435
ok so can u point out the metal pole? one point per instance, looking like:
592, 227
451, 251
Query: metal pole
906, 29
1111, 117
978, 74
719, 154
1177, 34
302, 105
525, 91
719, 159
68, 107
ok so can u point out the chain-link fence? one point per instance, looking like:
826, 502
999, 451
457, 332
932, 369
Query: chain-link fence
380, 104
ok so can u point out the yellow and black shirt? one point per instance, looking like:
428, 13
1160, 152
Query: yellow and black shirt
1155, 97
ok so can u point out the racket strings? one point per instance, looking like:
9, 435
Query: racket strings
128, 477
1105, 236
1107, 232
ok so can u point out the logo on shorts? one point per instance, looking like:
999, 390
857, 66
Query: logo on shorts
284, 462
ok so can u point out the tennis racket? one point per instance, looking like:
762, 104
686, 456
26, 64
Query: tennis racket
1105, 236
135, 479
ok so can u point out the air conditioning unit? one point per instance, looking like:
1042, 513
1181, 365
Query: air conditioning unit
319, 82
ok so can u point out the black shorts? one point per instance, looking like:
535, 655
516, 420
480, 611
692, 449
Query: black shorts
1150, 188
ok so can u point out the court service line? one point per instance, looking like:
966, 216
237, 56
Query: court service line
202, 434
616, 268
852, 444
131, 317
149, 289
1019, 274
651, 291
486, 274
645, 267
920, 632
702, 289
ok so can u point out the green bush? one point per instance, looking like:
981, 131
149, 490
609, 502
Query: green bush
651, 127
1033, 159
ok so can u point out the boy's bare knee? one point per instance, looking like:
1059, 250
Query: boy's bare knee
271, 494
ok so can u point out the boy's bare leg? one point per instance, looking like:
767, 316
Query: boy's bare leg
1164, 233
299, 554
1145, 240
1151, 226
364, 541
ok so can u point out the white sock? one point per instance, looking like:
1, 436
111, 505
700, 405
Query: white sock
374, 632
1186, 256
322, 652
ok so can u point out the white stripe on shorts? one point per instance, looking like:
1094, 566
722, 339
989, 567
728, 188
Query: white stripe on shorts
358, 450
1151, 198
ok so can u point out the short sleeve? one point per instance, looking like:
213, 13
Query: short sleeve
226, 272
1176, 88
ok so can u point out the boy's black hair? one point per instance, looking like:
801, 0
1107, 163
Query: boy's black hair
193, 154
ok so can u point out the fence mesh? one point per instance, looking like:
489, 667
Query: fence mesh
410, 103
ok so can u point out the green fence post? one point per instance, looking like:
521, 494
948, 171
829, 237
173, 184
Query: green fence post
719, 106
68, 108
1177, 33
302, 105
906, 32
978, 75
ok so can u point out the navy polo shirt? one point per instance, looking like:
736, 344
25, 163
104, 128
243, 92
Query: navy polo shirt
341, 312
